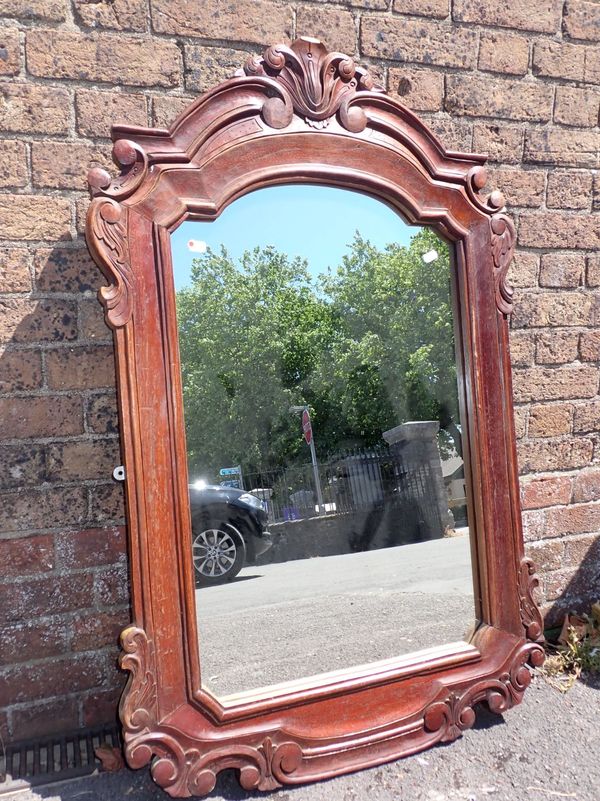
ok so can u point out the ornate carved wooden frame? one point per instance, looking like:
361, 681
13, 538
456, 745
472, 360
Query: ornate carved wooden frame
300, 114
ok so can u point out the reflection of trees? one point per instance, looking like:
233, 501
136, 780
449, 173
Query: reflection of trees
367, 346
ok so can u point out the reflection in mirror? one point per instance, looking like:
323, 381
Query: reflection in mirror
327, 485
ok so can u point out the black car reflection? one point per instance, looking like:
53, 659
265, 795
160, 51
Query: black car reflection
229, 530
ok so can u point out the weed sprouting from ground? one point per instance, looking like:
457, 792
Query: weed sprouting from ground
577, 651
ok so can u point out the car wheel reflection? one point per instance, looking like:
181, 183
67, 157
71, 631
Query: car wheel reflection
217, 552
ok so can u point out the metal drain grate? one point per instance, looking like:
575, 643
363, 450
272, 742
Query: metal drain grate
52, 759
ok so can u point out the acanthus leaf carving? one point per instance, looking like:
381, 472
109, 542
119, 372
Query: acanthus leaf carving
313, 82
530, 614
503, 243
137, 709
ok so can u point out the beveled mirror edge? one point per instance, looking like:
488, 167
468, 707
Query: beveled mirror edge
156, 710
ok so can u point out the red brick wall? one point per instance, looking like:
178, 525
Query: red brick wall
518, 80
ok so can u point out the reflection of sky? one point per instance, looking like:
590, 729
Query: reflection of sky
315, 222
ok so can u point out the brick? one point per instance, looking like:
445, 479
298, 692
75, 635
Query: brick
19, 686
556, 229
27, 555
51, 10
589, 346
533, 525
420, 90
121, 15
522, 348
84, 367
546, 555
587, 417
503, 52
113, 58
21, 464
549, 491
206, 67
80, 461
30, 108
46, 595
82, 205
586, 484
20, 370
32, 217
537, 15
578, 107
24, 320
592, 270
10, 51
101, 415
503, 143
592, 65
46, 416
520, 187
520, 418
96, 111
254, 21
567, 148
98, 629
540, 309
569, 190
556, 586
91, 547
329, 25
65, 165
25, 640
561, 270
579, 548
14, 270
55, 716
92, 325
550, 421
101, 706
107, 504
541, 455
556, 347
579, 519
47, 508
166, 109
524, 269
558, 60
421, 41
482, 96
373, 5
111, 585
582, 20
453, 134
439, 9
539, 384
13, 163
66, 270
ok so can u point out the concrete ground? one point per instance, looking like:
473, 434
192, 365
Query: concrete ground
546, 749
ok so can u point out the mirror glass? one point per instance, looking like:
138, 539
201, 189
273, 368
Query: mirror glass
327, 486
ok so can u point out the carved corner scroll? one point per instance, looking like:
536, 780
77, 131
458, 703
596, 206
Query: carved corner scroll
313, 82
531, 616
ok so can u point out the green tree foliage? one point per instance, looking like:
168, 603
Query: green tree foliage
366, 347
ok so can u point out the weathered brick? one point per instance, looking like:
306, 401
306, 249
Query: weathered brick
578, 519
30, 108
556, 347
111, 585
538, 383
503, 52
107, 504
546, 491
55, 53
65, 165
66, 270
550, 420
46, 416
533, 525
555, 229
520, 187
482, 96
537, 15
121, 15
83, 674
243, 21
520, 414
47, 508
92, 325
20, 370
569, 453
556, 584
587, 417
14, 270
561, 270
592, 270
99, 706
25, 640
56, 716
13, 162
540, 309
524, 269
33, 217
578, 107
84, 367
582, 19
423, 8
51, 10
206, 67
91, 547
586, 484
98, 629
23, 320
166, 109
10, 51
503, 143
96, 111
21, 464
546, 555
82, 205
558, 60
80, 461
569, 190
592, 65
453, 134
101, 415
568, 148
589, 346
328, 24
405, 39
419, 89
26, 555
578, 548
522, 348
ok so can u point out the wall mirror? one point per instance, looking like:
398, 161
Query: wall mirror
309, 301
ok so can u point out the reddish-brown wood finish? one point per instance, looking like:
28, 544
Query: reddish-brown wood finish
300, 114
